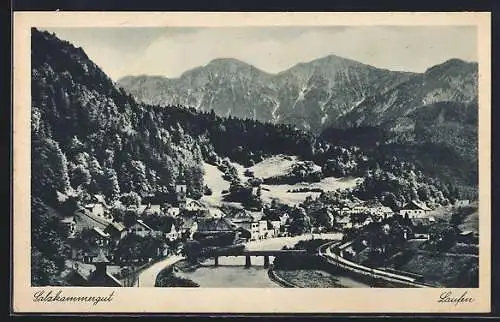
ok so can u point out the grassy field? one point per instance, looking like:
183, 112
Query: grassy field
471, 222
273, 166
276, 165
280, 165
280, 193
213, 179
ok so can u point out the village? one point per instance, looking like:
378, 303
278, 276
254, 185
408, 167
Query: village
110, 250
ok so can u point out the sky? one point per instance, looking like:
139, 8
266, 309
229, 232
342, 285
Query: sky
122, 51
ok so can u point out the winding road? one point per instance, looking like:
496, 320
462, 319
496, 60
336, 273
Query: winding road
147, 278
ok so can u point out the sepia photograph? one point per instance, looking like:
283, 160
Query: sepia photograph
266, 156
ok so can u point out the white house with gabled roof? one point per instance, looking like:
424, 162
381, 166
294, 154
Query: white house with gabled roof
414, 209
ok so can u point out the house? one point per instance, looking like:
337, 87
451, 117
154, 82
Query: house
193, 230
98, 207
116, 230
420, 225
382, 211
141, 210
246, 221
263, 231
85, 220
99, 237
345, 211
95, 209
214, 225
359, 210
154, 209
173, 234
194, 205
214, 213
219, 228
77, 278
462, 203
276, 226
70, 223
188, 223
367, 221
414, 209
88, 256
271, 232
173, 211
468, 237
284, 218
141, 229
181, 189
345, 222
100, 276
99, 199
254, 230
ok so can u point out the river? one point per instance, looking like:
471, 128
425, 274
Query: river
231, 272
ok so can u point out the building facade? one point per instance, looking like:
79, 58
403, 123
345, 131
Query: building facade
414, 210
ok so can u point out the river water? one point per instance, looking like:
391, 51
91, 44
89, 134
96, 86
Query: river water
231, 272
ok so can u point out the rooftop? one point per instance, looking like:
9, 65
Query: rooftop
215, 224
140, 222
101, 232
118, 226
415, 205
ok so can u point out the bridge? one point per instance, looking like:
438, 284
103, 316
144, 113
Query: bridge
254, 253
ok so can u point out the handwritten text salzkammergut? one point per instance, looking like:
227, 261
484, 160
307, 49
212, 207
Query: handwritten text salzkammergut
57, 296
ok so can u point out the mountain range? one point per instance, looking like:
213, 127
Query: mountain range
329, 91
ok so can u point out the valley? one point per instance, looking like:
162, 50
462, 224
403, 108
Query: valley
227, 158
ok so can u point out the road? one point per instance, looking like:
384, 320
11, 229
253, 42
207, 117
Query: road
337, 260
147, 278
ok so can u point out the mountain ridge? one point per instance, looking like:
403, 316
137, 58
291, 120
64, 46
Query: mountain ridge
322, 89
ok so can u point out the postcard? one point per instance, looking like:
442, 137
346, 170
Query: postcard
203, 162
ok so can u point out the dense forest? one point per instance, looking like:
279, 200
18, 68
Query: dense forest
91, 137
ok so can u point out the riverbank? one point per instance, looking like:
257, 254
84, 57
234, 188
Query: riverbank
169, 277
307, 278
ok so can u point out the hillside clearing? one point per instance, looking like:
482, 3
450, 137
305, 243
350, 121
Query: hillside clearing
276, 165
280, 193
